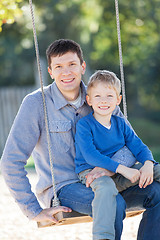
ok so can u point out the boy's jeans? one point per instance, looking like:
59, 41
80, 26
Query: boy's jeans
103, 206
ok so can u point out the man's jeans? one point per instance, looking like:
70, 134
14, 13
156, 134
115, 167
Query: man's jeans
79, 198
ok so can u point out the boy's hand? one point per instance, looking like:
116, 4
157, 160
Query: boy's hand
130, 173
96, 173
146, 174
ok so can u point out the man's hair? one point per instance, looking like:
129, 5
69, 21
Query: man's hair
106, 77
62, 46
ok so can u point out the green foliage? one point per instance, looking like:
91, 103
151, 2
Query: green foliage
147, 130
92, 23
9, 11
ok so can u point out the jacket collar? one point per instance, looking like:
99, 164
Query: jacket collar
59, 99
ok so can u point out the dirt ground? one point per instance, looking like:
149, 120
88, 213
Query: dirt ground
15, 226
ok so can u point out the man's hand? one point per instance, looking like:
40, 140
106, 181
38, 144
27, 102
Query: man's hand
96, 173
48, 214
146, 174
130, 173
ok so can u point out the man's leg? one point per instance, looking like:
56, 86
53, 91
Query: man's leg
123, 183
79, 198
148, 198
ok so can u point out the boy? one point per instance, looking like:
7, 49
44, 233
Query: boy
99, 136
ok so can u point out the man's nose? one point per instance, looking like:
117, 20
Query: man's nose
66, 71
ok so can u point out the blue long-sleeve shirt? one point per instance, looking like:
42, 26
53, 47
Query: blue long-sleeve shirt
95, 144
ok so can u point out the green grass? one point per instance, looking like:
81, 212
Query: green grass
30, 163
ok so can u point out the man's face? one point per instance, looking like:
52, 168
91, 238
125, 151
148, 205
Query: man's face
67, 70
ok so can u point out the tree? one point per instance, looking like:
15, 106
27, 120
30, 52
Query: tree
92, 23
9, 11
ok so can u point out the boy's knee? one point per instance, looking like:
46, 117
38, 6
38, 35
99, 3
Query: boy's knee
104, 183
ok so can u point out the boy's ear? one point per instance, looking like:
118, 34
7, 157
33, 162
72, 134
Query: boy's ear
119, 99
50, 72
88, 100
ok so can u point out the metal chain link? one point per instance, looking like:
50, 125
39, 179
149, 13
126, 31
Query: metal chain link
121, 59
56, 201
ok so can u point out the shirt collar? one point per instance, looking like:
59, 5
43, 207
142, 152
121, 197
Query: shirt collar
60, 101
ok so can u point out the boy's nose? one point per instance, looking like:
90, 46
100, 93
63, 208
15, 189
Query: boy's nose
103, 100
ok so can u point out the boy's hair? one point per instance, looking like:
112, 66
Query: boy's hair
107, 77
62, 46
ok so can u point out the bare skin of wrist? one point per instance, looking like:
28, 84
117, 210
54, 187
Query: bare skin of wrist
130, 173
48, 214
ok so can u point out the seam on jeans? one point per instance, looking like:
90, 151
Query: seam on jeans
75, 202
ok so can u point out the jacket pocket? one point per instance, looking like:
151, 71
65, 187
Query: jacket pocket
60, 132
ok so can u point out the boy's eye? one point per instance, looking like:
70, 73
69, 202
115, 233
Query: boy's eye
97, 96
110, 95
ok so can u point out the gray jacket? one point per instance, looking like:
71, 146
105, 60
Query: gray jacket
28, 136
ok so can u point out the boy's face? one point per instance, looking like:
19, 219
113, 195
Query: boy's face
67, 70
103, 99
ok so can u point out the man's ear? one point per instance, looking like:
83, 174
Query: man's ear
83, 67
119, 99
88, 100
50, 72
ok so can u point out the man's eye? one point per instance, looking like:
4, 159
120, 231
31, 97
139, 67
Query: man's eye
58, 67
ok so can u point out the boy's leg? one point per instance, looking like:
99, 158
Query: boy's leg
104, 208
123, 183
79, 198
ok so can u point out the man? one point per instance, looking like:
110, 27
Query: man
66, 104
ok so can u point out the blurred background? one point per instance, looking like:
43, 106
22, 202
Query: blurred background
91, 23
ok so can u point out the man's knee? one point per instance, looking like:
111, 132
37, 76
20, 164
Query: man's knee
153, 195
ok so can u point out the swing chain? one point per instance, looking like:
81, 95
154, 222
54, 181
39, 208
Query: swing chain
121, 59
56, 201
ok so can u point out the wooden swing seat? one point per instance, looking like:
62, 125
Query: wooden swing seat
75, 217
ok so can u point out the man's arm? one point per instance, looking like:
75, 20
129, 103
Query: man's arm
21, 141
